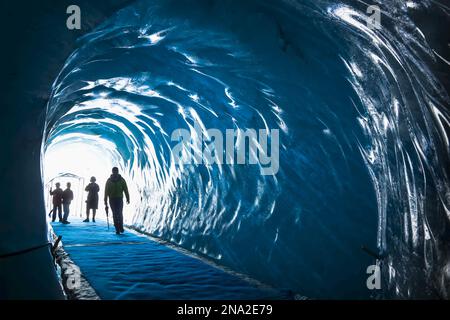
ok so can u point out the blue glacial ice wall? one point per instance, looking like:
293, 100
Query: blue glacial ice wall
362, 117
38, 43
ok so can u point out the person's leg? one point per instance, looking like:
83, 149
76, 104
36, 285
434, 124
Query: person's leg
93, 214
120, 215
114, 206
60, 213
54, 214
66, 208
87, 213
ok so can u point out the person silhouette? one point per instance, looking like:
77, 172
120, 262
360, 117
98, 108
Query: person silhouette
92, 199
57, 201
67, 197
115, 187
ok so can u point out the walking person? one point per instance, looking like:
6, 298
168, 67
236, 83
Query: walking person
115, 187
92, 199
57, 201
67, 197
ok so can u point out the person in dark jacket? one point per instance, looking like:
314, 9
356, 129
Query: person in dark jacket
57, 201
114, 189
92, 199
67, 197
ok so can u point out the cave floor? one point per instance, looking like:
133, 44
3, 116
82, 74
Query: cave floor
134, 266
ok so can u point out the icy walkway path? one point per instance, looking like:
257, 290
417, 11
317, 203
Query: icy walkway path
133, 266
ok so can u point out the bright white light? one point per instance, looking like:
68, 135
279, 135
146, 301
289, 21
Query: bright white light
155, 37
77, 158
81, 158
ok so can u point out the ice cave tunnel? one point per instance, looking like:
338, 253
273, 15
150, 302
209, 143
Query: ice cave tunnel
362, 116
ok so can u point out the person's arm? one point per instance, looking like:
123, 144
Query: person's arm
87, 187
71, 195
125, 189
